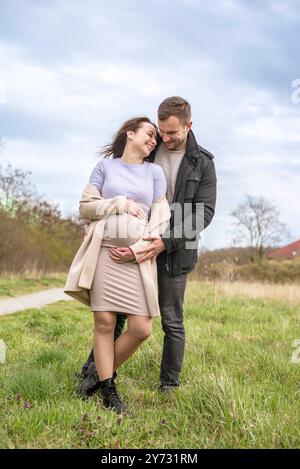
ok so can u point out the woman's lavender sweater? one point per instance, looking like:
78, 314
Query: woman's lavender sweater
144, 183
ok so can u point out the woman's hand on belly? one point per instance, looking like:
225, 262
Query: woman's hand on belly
134, 209
121, 255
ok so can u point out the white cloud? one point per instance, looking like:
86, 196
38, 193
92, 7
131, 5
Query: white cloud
59, 170
3, 92
106, 64
282, 128
286, 8
70, 93
230, 8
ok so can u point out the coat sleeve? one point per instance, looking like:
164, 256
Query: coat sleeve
158, 223
93, 207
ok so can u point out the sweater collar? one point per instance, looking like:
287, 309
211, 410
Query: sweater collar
191, 152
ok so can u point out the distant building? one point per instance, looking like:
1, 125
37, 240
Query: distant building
286, 252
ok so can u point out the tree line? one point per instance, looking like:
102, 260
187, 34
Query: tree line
34, 236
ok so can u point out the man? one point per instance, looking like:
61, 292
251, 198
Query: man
191, 192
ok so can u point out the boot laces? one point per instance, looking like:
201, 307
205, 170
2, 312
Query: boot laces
113, 397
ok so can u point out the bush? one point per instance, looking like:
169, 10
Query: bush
34, 237
31, 248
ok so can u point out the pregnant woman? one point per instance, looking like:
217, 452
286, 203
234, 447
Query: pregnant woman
125, 201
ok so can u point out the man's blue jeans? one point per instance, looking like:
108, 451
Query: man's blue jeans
171, 297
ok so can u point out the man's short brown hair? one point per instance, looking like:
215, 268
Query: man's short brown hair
175, 106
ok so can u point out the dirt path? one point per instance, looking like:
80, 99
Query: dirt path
33, 300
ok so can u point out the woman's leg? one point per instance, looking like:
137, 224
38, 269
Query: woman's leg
139, 329
104, 343
121, 319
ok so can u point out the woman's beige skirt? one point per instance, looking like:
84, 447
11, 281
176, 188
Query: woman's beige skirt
119, 287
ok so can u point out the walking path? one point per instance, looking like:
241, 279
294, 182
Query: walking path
33, 300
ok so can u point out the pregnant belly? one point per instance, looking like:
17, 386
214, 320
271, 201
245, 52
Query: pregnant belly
123, 230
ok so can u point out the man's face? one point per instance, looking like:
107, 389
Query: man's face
174, 133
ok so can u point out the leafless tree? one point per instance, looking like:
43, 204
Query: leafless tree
16, 191
258, 223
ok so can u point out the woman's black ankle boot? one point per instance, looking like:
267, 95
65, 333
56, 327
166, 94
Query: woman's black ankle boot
110, 397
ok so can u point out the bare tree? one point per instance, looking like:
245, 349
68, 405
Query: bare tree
258, 223
19, 198
16, 191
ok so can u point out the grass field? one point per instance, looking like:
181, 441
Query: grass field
14, 286
239, 387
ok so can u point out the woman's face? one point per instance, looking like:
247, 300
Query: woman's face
143, 139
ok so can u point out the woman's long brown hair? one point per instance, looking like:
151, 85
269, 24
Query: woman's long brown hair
116, 148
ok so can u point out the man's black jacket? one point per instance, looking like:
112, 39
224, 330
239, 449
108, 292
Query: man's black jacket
195, 184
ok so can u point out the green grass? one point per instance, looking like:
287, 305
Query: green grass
239, 388
14, 286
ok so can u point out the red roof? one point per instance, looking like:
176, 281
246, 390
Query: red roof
288, 252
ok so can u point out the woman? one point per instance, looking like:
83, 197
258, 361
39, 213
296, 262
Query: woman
122, 192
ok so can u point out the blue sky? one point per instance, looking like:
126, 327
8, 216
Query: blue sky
71, 72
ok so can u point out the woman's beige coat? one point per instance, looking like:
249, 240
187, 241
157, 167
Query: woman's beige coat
96, 209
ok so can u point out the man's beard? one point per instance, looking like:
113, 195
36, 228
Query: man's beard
174, 145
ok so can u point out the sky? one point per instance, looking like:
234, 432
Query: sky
72, 72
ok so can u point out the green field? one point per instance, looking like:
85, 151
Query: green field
14, 286
239, 387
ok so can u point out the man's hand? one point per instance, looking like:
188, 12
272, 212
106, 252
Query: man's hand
151, 252
121, 255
